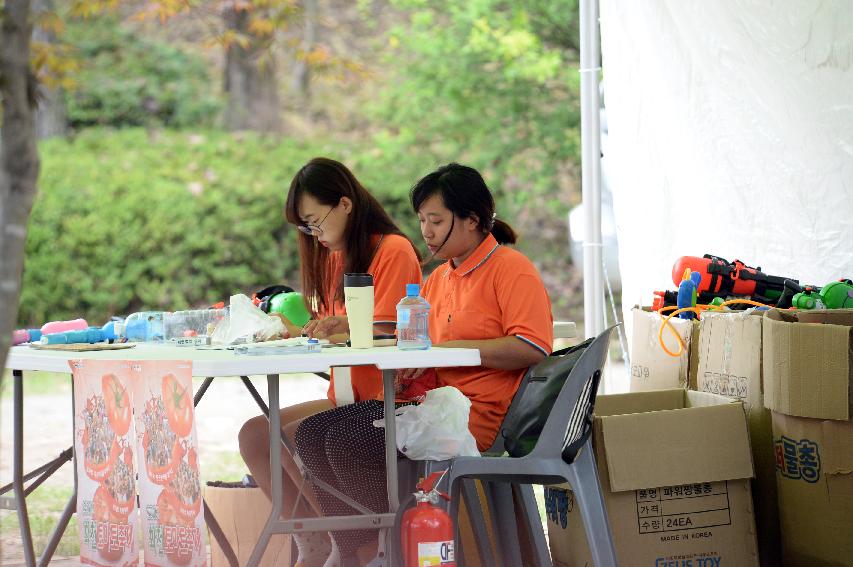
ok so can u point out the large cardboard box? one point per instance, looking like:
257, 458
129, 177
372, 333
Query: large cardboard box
807, 374
807, 363
242, 512
814, 467
674, 467
729, 352
651, 367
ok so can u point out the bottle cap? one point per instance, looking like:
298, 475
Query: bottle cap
413, 289
358, 280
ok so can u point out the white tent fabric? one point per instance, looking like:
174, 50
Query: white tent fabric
731, 133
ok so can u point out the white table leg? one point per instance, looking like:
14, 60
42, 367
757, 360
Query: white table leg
275, 472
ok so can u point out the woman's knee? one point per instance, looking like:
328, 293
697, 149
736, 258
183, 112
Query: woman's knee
308, 432
355, 438
254, 435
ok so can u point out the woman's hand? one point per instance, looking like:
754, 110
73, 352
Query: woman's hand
291, 329
328, 327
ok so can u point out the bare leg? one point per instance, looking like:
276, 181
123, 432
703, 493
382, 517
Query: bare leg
254, 447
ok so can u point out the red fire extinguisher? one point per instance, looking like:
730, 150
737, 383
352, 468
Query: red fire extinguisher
426, 531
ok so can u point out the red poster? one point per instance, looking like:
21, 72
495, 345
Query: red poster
104, 445
138, 412
170, 498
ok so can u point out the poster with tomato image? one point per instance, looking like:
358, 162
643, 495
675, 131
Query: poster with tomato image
104, 444
170, 498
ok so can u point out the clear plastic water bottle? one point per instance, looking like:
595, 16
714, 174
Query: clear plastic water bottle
413, 320
144, 326
192, 323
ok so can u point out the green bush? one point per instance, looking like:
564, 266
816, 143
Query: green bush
125, 222
128, 80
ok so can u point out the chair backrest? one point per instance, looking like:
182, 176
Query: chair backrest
533, 401
569, 424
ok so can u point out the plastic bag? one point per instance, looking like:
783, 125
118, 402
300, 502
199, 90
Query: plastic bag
437, 429
246, 323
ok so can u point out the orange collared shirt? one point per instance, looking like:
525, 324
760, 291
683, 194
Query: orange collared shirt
496, 292
394, 265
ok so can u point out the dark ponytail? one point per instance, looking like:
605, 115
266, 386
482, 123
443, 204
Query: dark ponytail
465, 193
503, 233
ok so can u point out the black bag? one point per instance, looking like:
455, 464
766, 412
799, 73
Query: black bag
532, 404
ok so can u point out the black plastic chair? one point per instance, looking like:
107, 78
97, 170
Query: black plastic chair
563, 453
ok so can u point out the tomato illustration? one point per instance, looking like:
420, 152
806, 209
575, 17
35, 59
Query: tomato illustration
166, 508
170, 520
117, 403
179, 405
101, 513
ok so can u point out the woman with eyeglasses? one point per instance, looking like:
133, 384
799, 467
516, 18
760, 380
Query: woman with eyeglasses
343, 229
485, 296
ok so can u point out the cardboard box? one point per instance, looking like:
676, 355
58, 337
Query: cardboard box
814, 467
242, 514
674, 467
807, 363
729, 353
651, 367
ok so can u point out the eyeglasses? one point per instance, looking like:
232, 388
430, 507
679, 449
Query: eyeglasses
314, 229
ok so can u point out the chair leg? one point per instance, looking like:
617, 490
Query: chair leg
467, 489
533, 523
588, 495
502, 508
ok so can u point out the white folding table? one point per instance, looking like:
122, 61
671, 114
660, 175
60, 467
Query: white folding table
221, 363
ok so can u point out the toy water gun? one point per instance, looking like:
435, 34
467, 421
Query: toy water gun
720, 276
82, 336
834, 295
34, 335
687, 292
670, 299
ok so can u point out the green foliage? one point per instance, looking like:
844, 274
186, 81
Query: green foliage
492, 84
488, 82
127, 220
128, 80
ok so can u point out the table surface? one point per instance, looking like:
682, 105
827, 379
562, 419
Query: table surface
212, 363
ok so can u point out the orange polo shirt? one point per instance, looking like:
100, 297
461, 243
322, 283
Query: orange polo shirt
394, 265
496, 292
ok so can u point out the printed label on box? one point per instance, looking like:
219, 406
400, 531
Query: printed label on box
558, 503
683, 507
696, 560
797, 460
725, 384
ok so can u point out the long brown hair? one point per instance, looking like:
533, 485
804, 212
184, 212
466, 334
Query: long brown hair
327, 181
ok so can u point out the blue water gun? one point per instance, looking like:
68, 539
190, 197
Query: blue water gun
687, 291
85, 336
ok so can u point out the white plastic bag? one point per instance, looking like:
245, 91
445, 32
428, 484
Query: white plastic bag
246, 323
437, 429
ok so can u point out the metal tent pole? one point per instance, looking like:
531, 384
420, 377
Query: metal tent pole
593, 280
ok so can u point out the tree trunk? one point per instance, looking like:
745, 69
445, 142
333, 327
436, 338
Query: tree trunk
19, 162
302, 71
50, 115
252, 89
